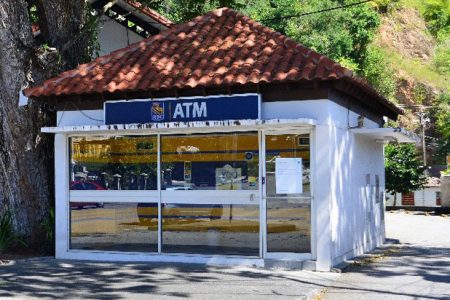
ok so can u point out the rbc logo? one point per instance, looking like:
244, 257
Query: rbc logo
157, 111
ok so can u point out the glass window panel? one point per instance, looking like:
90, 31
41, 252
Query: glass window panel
211, 229
287, 146
288, 225
210, 162
126, 227
113, 163
288, 215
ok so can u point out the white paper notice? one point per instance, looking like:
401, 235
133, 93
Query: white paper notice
288, 176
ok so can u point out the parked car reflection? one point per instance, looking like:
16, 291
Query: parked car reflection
85, 185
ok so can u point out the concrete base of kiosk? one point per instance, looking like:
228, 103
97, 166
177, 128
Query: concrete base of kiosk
307, 265
219, 260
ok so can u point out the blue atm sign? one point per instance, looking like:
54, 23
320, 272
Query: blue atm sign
214, 108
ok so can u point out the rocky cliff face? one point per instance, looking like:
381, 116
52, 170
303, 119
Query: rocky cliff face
404, 32
409, 49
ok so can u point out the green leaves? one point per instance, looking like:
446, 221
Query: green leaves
49, 225
183, 10
378, 72
441, 114
437, 15
6, 232
7, 236
404, 171
340, 34
441, 58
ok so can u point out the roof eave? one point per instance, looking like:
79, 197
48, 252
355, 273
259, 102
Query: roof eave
392, 111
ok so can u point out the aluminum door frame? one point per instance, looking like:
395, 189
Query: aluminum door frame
263, 205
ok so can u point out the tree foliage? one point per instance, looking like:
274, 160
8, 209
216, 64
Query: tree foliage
437, 15
404, 170
341, 34
441, 114
441, 58
378, 72
184, 10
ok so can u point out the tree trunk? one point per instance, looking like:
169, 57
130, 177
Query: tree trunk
26, 155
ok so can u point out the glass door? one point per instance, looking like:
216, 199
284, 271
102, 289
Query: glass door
287, 196
210, 194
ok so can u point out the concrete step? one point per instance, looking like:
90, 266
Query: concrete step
307, 265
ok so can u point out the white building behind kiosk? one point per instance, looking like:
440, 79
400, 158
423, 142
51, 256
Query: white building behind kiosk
125, 22
332, 121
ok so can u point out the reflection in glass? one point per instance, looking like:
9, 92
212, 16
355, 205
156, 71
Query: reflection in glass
211, 229
210, 162
288, 226
288, 215
114, 227
287, 146
113, 163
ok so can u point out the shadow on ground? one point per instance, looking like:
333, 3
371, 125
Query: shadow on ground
50, 278
403, 271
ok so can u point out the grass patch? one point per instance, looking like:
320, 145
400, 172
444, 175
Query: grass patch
416, 4
418, 70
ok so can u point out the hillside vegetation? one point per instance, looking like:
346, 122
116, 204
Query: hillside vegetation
415, 41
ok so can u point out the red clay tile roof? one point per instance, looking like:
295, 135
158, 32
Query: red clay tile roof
220, 48
150, 13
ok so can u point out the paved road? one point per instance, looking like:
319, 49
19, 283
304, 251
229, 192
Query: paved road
418, 268
49, 278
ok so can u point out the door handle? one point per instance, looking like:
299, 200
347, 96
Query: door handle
252, 197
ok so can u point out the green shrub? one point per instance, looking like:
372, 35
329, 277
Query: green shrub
437, 16
377, 70
442, 115
339, 33
7, 236
386, 6
49, 225
441, 58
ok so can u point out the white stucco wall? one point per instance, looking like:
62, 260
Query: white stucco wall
356, 213
326, 112
348, 218
79, 117
113, 36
